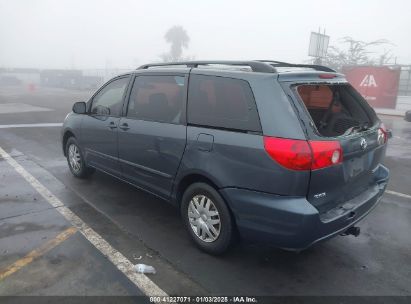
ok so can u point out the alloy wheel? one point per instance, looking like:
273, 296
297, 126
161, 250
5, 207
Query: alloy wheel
204, 218
74, 158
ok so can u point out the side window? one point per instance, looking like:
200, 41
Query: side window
222, 102
157, 98
109, 100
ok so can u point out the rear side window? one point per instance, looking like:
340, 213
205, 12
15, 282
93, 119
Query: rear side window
222, 103
157, 98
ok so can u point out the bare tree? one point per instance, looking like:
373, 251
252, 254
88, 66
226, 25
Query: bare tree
178, 39
357, 52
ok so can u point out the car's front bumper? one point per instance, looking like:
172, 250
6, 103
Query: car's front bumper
292, 222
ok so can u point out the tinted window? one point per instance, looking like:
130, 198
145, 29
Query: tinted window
157, 98
109, 100
222, 102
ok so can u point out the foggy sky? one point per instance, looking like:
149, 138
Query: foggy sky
124, 33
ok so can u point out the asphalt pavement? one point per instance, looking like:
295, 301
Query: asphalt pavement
147, 230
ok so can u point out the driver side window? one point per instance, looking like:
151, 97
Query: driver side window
109, 100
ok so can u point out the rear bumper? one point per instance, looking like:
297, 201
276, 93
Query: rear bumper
292, 222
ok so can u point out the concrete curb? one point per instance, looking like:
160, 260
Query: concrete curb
391, 112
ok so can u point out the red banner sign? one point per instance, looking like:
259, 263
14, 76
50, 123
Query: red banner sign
378, 85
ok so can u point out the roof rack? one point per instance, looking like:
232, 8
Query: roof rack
316, 67
264, 66
256, 66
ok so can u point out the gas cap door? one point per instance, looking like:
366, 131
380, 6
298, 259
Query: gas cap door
205, 142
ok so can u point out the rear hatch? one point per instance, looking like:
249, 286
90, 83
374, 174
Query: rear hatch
346, 138
334, 185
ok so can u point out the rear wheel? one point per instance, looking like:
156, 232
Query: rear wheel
207, 218
75, 160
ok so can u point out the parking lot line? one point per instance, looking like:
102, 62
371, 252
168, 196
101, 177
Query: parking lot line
398, 194
36, 253
142, 282
36, 125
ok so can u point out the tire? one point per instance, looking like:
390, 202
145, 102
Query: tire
77, 166
201, 207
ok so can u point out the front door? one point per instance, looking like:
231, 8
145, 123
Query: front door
152, 135
100, 127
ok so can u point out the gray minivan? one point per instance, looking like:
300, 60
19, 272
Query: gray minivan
287, 154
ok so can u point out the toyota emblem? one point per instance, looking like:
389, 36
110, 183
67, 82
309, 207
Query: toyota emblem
363, 144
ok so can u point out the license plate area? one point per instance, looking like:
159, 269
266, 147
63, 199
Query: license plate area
356, 166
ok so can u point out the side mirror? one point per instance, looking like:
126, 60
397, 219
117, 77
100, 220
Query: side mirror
79, 107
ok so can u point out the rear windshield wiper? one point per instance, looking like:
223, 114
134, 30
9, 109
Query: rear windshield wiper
357, 129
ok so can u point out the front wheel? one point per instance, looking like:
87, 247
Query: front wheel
207, 218
75, 160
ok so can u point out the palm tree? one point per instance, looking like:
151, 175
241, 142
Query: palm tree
179, 39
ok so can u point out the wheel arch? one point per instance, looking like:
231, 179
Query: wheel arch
188, 179
67, 134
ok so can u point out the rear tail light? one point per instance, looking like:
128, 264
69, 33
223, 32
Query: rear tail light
382, 134
290, 153
325, 153
303, 155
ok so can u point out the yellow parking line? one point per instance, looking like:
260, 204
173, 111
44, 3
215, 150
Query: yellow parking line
37, 253
143, 282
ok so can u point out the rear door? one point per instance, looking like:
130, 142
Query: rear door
332, 186
335, 112
152, 135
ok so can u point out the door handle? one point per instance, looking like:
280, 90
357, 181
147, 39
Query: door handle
124, 126
112, 125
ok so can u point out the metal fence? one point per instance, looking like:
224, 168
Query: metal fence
404, 88
105, 74
96, 77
